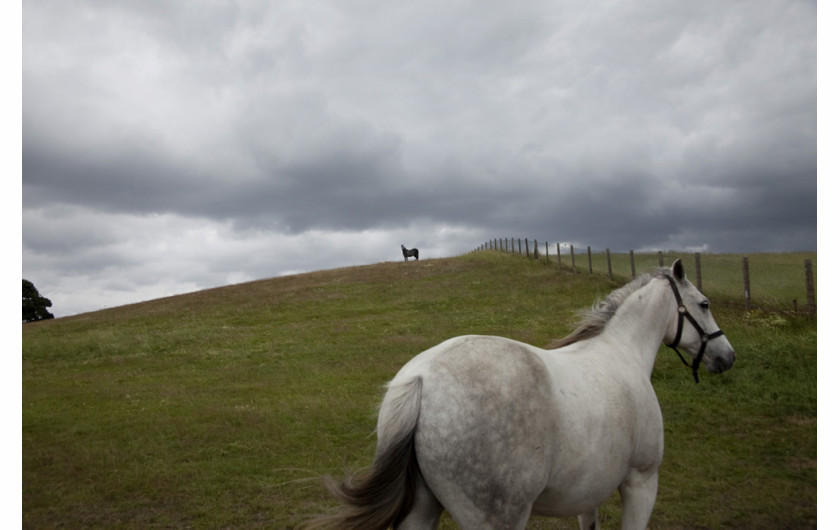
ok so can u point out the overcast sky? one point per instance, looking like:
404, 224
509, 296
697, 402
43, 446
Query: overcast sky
173, 146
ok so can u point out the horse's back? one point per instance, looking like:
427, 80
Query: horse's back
486, 423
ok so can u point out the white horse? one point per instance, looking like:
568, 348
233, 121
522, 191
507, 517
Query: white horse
493, 430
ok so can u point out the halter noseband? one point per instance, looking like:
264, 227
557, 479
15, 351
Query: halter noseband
683, 313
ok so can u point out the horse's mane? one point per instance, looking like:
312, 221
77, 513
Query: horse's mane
593, 321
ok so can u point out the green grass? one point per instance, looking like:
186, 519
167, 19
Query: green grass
223, 408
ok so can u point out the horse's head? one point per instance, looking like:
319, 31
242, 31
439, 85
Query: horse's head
694, 328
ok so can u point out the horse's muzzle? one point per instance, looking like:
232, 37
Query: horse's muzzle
721, 363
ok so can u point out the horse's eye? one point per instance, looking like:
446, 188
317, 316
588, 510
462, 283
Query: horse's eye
704, 305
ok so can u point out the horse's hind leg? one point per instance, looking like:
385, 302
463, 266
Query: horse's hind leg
425, 512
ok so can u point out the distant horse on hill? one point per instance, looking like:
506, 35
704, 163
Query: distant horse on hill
409, 253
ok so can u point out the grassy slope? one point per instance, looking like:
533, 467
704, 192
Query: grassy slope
221, 408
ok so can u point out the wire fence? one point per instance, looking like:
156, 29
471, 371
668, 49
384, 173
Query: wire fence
780, 281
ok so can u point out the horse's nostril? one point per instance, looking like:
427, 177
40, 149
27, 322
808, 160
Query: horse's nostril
729, 360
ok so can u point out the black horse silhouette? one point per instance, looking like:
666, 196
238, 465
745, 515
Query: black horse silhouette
409, 253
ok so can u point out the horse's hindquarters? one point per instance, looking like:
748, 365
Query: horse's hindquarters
483, 438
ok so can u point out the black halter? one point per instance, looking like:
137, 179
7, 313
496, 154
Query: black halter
704, 337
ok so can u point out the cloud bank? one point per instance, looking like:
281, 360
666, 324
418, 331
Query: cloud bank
170, 147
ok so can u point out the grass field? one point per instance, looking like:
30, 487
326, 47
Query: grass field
223, 408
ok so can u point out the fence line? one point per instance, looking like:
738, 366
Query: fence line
777, 287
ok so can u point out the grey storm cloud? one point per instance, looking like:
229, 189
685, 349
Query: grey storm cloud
630, 125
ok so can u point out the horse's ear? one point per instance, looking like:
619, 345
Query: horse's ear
678, 271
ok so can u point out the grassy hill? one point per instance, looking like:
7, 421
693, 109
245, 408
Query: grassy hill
223, 408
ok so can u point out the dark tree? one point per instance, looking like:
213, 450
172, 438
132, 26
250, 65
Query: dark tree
34, 305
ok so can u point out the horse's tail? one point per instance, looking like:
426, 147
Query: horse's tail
384, 495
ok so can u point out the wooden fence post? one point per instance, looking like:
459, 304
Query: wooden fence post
609, 264
809, 287
527, 248
536, 250
660, 259
632, 266
746, 266
589, 253
697, 267
546, 251
520, 245
558, 256
572, 249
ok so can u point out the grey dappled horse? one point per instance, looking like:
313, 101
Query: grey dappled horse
493, 430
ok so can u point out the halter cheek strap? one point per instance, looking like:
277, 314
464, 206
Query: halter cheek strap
683, 314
